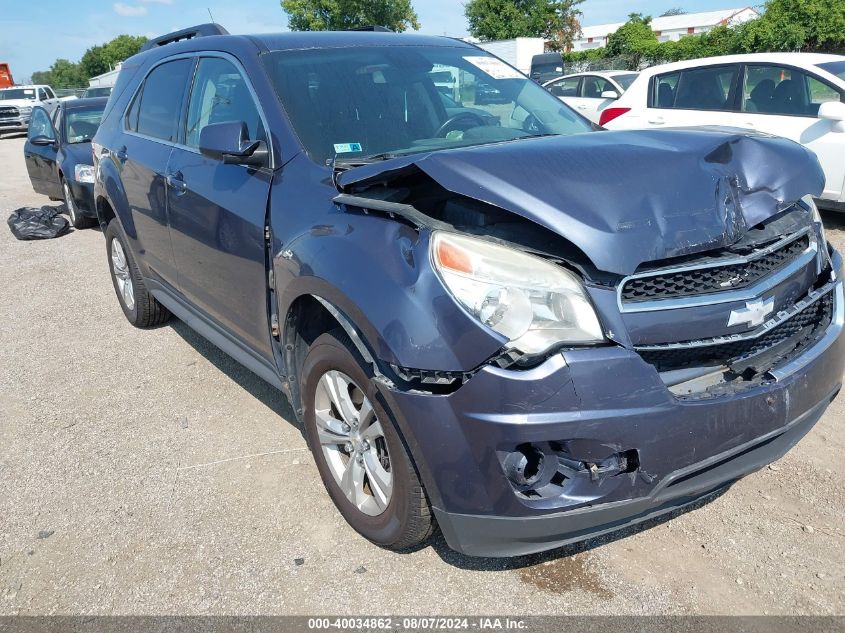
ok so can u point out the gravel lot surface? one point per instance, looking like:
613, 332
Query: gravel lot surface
145, 472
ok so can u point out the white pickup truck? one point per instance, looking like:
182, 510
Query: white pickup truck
17, 102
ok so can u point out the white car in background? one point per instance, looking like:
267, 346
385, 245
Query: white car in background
799, 96
591, 92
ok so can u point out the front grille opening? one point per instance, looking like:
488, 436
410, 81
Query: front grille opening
753, 355
702, 281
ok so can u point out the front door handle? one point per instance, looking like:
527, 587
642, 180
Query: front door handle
175, 182
658, 120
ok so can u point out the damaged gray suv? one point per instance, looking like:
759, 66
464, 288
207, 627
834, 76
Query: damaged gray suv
489, 315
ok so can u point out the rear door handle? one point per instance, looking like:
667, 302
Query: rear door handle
175, 182
581, 107
657, 120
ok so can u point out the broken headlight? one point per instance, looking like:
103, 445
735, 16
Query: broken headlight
533, 303
810, 204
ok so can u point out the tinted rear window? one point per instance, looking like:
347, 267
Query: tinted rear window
156, 109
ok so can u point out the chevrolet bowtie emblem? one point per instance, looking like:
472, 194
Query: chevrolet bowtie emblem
754, 313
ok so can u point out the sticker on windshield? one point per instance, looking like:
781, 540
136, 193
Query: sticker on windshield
347, 148
496, 68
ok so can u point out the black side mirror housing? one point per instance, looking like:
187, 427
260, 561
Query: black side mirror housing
43, 141
230, 143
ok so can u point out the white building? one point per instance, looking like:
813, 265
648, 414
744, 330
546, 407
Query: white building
517, 52
671, 27
106, 79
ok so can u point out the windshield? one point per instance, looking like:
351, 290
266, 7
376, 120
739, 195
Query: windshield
835, 68
18, 93
82, 124
353, 103
625, 80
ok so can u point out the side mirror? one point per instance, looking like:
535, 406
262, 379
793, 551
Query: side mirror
230, 143
43, 141
610, 94
832, 111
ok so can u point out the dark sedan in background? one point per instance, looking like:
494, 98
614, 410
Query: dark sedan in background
58, 155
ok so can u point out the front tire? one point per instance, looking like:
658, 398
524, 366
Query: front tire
78, 220
363, 461
141, 309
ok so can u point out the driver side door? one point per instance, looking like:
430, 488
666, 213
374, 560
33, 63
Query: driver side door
40, 156
217, 210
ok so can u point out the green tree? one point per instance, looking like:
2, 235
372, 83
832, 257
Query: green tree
633, 42
338, 15
555, 20
673, 11
62, 74
101, 59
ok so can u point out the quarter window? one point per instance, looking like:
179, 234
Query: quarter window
156, 108
708, 88
784, 91
221, 95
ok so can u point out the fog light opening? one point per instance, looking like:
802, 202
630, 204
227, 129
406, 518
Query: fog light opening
524, 466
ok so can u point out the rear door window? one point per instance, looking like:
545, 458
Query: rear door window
565, 87
157, 107
708, 88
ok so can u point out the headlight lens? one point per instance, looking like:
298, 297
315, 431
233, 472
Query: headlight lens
531, 302
817, 217
84, 173
25, 110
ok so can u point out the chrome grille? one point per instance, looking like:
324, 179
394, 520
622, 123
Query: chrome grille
9, 111
699, 281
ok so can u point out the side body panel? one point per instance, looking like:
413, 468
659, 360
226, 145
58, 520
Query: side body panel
217, 231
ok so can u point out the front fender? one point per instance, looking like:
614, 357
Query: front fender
377, 272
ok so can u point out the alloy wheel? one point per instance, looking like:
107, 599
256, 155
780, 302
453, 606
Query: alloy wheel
122, 274
69, 204
353, 443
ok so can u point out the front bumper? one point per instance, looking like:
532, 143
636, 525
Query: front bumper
601, 399
17, 124
83, 196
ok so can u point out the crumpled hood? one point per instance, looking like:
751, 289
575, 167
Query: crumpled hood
626, 197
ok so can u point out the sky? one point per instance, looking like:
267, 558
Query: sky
34, 34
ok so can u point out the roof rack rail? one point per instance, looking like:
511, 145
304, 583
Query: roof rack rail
201, 30
374, 28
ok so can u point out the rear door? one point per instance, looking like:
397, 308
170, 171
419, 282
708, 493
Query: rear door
217, 211
151, 131
705, 95
566, 89
785, 101
41, 159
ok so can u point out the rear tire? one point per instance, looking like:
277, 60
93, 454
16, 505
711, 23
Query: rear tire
141, 309
78, 220
370, 444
